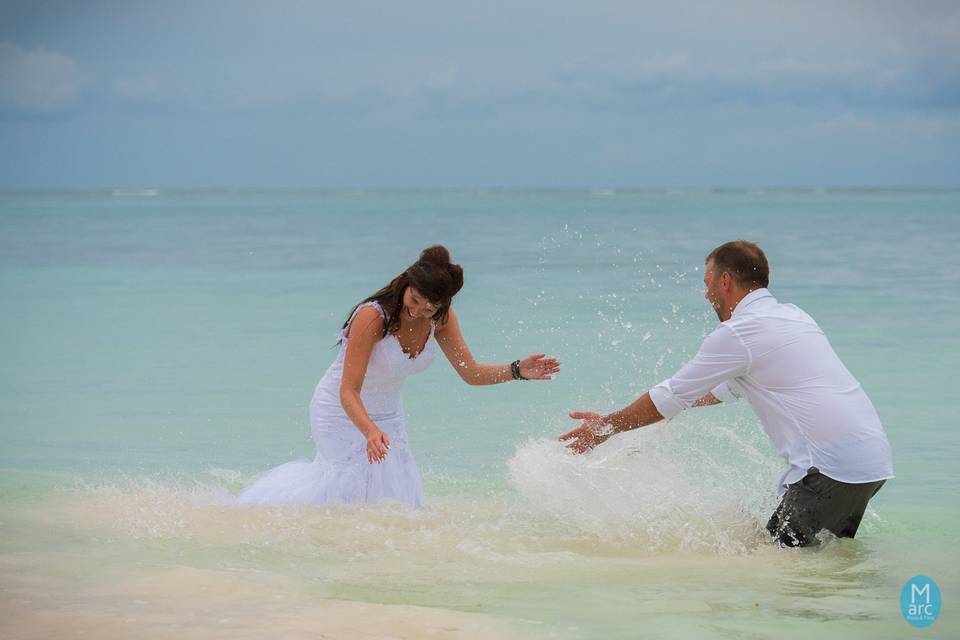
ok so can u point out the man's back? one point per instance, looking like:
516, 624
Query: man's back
814, 411
811, 406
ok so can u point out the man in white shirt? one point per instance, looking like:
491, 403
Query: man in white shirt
813, 410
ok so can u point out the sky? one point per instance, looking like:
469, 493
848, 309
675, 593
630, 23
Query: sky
554, 94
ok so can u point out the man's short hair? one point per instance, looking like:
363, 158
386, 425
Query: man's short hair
744, 261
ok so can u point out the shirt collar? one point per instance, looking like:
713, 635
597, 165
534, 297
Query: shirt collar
750, 298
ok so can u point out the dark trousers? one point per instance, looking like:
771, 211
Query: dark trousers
819, 502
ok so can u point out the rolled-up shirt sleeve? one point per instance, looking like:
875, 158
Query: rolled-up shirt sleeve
721, 357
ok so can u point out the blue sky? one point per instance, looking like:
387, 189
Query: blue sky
289, 94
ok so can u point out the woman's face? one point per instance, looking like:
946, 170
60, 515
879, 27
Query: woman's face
416, 305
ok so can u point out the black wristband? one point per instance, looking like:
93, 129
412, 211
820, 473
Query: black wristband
515, 370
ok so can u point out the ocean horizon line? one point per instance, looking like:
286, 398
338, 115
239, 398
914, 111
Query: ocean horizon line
596, 190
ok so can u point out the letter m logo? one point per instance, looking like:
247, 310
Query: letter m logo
916, 593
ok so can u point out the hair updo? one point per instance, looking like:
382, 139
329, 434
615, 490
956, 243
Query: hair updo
433, 275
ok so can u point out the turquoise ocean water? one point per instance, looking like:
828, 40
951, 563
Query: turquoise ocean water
160, 349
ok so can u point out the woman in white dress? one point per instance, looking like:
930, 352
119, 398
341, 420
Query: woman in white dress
356, 414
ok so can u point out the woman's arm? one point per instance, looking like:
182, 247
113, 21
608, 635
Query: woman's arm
535, 367
363, 332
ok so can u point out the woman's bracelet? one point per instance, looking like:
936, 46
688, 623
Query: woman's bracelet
515, 370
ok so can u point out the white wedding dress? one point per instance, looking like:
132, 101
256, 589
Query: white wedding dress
340, 473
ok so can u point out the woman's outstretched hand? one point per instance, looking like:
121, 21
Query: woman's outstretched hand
592, 432
539, 367
377, 445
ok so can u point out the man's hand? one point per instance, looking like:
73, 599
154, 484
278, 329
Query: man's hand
592, 432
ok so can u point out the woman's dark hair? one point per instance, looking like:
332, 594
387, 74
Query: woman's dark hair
433, 275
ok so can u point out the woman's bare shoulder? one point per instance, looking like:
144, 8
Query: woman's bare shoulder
368, 321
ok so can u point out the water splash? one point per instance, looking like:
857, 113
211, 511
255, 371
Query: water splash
632, 491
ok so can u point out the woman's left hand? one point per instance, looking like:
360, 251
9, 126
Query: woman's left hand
539, 367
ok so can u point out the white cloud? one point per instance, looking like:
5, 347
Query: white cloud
41, 80
845, 123
913, 126
142, 89
932, 126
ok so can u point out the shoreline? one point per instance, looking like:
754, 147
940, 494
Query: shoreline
184, 602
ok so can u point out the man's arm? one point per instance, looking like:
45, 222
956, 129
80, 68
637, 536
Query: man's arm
722, 356
707, 400
596, 429
639, 414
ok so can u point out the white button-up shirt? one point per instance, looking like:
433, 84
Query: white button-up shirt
814, 411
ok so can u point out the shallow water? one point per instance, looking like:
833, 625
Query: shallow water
161, 350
